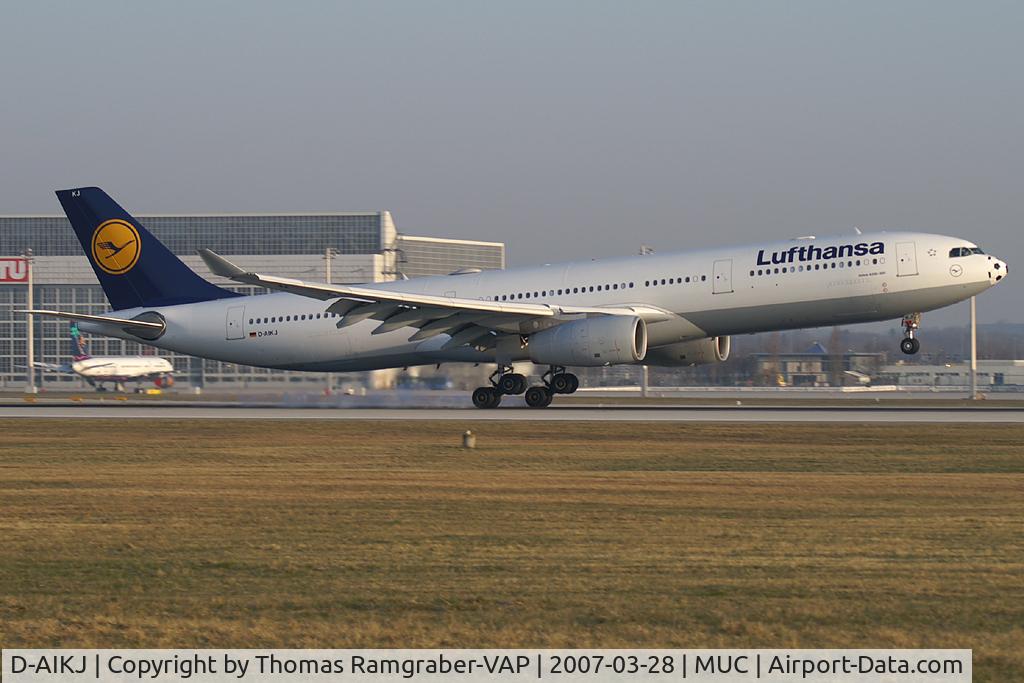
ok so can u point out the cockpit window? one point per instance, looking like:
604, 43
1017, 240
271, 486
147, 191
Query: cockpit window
964, 251
976, 250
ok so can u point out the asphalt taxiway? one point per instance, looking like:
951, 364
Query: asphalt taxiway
567, 413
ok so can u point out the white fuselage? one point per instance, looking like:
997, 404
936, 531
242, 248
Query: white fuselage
736, 290
121, 368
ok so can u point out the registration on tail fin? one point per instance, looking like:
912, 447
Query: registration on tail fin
133, 267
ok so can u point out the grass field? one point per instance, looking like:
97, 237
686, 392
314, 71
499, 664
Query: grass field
351, 534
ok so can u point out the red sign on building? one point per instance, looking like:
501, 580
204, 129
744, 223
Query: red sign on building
13, 270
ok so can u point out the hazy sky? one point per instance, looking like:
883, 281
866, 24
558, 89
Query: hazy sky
565, 129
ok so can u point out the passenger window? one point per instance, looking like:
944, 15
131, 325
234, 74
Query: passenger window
703, 278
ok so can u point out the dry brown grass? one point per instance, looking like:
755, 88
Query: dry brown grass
323, 533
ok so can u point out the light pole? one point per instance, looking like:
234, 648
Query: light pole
974, 348
329, 252
30, 386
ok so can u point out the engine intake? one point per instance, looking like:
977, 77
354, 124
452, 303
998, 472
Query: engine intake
604, 340
696, 352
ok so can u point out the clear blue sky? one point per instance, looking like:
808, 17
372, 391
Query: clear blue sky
566, 129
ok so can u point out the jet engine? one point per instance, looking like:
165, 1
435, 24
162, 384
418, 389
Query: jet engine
696, 352
604, 340
164, 381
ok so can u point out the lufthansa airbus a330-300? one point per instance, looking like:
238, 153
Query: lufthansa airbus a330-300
676, 309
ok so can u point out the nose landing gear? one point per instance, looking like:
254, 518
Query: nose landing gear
910, 345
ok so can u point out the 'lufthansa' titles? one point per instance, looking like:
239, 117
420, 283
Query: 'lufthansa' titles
815, 253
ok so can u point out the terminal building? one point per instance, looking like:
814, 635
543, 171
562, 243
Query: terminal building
343, 248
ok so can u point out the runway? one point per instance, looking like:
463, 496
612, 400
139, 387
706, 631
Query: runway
616, 413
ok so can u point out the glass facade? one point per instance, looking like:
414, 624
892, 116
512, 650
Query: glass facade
419, 256
349, 233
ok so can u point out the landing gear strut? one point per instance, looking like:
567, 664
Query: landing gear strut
910, 345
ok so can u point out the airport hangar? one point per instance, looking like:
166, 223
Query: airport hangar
346, 247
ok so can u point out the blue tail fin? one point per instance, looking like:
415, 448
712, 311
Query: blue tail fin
133, 267
78, 344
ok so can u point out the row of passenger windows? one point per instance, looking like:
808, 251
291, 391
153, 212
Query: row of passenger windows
817, 266
291, 318
595, 288
964, 251
560, 292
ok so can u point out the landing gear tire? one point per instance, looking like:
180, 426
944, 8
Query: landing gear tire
512, 384
538, 397
564, 383
910, 346
486, 397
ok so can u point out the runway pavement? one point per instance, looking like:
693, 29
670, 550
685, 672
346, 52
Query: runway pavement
611, 412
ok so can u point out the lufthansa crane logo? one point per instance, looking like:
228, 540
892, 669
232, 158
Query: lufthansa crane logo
115, 246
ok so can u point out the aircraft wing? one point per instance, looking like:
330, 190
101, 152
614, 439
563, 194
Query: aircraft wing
468, 321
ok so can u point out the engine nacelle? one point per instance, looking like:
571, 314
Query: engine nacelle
696, 352
604, 340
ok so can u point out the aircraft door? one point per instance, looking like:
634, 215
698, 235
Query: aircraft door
233, 323
722, 282
906, 259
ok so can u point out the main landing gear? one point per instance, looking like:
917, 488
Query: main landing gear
505, 382
910, 345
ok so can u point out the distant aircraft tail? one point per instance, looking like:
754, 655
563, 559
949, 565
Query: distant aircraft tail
78, 344
133, 267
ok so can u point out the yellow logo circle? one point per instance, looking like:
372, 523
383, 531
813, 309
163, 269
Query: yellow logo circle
115, 246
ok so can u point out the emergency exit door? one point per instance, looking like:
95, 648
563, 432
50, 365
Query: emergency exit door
722, 277
906, 259
233, 324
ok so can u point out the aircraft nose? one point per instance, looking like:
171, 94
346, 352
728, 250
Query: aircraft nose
999, 270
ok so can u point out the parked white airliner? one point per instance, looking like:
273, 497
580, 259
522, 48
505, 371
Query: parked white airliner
674, 309
117, 370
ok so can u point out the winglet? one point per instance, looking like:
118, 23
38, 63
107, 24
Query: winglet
219, 265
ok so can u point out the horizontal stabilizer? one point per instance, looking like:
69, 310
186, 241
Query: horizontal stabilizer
102, 319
